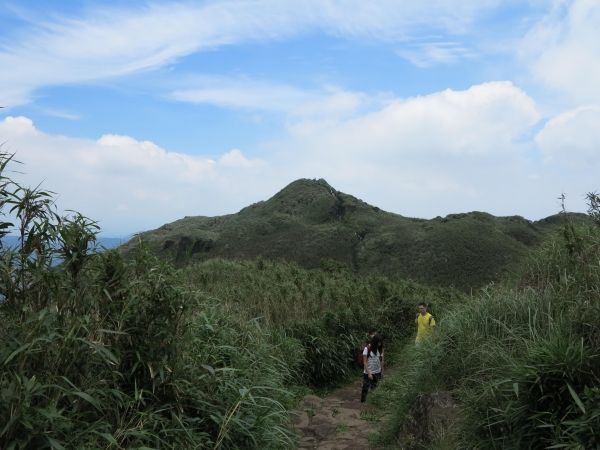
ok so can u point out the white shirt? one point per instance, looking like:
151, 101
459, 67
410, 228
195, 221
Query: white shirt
373, 361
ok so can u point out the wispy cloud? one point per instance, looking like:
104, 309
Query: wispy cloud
60, 114
262, 95
114, 42
562, 50
243, 93
433, 53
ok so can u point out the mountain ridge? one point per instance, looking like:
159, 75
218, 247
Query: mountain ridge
309, 220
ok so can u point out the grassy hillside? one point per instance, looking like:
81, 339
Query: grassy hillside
100, 351
519, 358
103, 352
309, 220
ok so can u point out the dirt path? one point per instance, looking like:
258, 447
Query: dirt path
334, 422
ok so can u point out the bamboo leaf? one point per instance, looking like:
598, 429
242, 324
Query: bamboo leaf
576, 398
17, 351
88, 398
54, 443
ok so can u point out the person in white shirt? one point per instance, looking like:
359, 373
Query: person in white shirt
373, 367
373, 332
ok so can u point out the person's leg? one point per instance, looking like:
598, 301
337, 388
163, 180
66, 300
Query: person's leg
365, 388
376, 378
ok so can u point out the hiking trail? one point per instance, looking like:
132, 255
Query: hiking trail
337, 422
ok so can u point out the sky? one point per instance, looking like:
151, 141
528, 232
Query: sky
139, 113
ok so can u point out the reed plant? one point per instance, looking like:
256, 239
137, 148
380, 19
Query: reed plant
520, 357
327, 310
103, 352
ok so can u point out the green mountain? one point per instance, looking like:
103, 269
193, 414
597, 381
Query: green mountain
309, 220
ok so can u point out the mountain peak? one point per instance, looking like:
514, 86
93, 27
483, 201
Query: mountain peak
309, 220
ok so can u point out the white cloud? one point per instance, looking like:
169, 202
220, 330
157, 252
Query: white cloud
114, 42
243, 93
128, 184
246, 93
573, 137
433, 53
450, 151
483, 120
563, 50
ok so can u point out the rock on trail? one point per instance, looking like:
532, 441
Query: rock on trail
334, 423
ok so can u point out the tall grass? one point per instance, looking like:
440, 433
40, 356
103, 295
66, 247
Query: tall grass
103, 352
100, 351
328, 310
521, 358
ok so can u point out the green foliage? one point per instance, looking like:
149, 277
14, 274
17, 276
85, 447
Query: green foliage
103, 352
594, 206
542, 398
520, 357
328, 312
315, 226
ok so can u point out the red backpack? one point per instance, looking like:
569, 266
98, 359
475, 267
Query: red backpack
360, 358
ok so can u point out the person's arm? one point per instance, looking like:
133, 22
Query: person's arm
365, 363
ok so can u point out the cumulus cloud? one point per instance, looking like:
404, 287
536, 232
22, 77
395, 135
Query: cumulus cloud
126, 183
483, 120
447, 152
113, 42
573, 137
563, 49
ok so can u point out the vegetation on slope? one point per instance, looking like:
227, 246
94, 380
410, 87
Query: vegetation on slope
105, 352
327, 311
309, 220
99, 352
521, 359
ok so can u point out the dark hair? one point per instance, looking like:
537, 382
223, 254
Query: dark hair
372, 331
422, 304
377, 339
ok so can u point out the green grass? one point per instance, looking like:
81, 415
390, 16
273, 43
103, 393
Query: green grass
328, 311
521, 358
103, 351
100, 351
342, 427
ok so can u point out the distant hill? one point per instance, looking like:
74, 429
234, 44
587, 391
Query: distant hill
106, 242
309, 220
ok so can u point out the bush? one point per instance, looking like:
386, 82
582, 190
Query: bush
520, 357
328, 311
102, 352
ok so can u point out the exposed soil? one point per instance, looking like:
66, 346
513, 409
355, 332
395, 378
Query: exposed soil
334, 422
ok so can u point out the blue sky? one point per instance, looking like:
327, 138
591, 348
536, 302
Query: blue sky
139, 113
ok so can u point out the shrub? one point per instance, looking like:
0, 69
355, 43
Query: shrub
103, 352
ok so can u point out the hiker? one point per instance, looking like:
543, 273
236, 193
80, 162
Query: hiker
425, 324
373, 332
373, 368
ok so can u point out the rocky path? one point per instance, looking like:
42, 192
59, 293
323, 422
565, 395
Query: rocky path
338, 422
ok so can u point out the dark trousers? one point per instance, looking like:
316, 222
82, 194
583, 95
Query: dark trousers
369, 384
